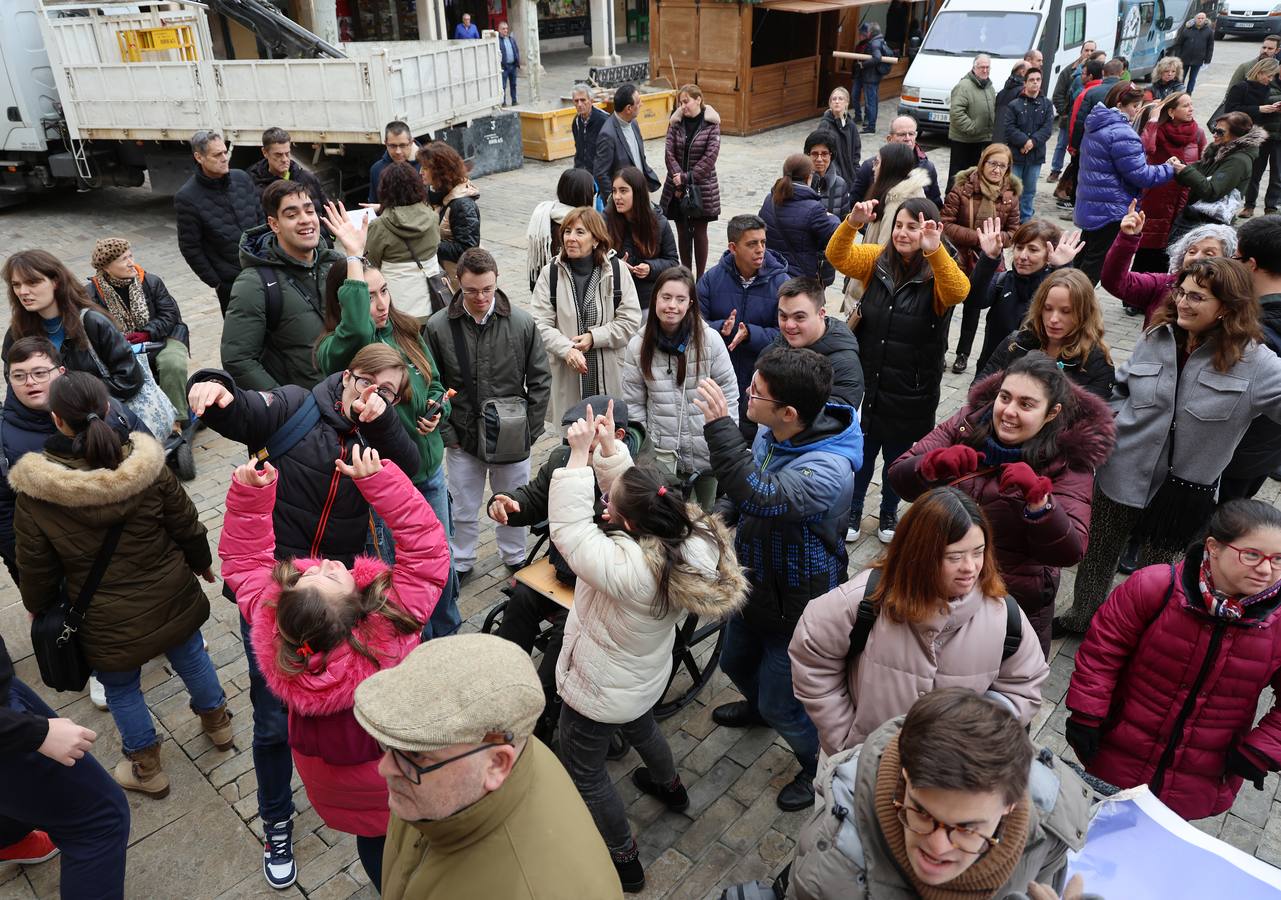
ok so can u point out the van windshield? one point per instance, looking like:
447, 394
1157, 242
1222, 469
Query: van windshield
1000, 34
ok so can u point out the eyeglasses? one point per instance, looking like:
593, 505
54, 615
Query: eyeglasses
1251, 557
390, 397
35, 376
1178, 293
476, 293
996, 165
414, 773
752, 396
820, 154
967, 840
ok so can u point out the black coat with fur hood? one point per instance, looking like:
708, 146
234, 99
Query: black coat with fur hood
149, 600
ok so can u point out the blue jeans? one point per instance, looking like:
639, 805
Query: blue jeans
80, 806
1192, 73
509, 78
1028, 173
1060, 149
871, 100
129, 709
760, 668
273, 763
890, 451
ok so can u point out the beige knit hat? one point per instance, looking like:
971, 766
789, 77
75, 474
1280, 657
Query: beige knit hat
107, 251
452, 690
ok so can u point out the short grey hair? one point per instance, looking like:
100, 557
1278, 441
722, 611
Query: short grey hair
980, 58
201, 140
580, 88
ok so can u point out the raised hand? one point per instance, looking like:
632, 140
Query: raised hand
350, 238
862, 213
711, 400
727, 327
206, 394
990, 238
1133, 221
501, 507
1067, 249
250, 475
369, 405
580, 437
931, 233
605, 430
364, 462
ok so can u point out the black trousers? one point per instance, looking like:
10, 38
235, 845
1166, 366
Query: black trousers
964, 156
224, 296
523, 621
1097, 242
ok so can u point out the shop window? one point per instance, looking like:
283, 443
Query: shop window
778, 36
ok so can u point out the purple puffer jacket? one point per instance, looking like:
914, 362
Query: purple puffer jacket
1114, 170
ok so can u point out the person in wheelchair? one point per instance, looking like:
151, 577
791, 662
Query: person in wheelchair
144, 311
527, 507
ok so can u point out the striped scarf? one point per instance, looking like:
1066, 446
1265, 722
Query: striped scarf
588, 315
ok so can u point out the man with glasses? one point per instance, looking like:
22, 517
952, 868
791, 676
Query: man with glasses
488, 349
902, 131
399, 142
215, 206
479, 806
950, 799
318, 514
971, 116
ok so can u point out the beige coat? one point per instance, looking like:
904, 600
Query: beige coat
848, 700
557, 326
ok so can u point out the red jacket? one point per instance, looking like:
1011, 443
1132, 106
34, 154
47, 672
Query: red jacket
1029, 551
1167, 679
1076, 108
336, 759
1162, 203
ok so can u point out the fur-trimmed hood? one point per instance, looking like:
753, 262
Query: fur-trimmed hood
707, 583
710, 115
1086, 442
917, 180
966, 181
1252, 138
68, 481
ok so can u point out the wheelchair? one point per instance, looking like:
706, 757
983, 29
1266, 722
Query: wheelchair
177, 446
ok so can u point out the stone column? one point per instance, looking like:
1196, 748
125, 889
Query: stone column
320, 17
522, 16
603, 52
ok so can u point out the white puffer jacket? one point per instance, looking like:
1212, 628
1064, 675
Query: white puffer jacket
672, 420
617, 654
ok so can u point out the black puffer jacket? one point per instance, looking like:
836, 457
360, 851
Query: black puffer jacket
124, 377
1259, 451
165, 318
462, 225
1006, 296
1095, 375
212, 214
318, 512
840, 346
263, 176
665, 257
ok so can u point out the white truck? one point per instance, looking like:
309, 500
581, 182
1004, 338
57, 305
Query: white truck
101, 93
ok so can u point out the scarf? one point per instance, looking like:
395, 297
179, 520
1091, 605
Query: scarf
997, 454
1223, 606
134, 314
1177, 136
981, 880
989, 194
538, 237
588, 315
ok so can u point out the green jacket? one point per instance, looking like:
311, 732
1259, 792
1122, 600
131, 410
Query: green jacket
972, 111
355, 331
260, 360
507, 360
1223, 168
417, 224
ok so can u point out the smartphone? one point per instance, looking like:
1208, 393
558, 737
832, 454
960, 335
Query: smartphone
438, 405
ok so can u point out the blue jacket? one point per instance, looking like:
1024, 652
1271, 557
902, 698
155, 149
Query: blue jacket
721, 290
791, 500
799, 230
376, 171
466, 32
1114, 170
1027, 118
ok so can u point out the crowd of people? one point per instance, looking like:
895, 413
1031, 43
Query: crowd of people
719, 427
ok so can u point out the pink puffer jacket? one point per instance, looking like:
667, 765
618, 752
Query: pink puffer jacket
336, 759
1167, 678
847, 700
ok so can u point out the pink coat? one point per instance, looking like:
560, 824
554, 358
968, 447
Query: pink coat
1134, 674
848, 700
336, 759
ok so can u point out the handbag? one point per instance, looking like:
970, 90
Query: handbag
438, 289
1217, 212
54, 630
502, 426
150, 404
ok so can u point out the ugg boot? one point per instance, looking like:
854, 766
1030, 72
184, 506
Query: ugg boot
217, 724
140, 771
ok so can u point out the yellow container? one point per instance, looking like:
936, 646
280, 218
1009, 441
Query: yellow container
549, 135
655, 110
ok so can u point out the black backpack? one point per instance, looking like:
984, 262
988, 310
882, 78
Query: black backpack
868, 611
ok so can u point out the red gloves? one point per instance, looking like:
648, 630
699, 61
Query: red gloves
948, 463
1019, 477
138, 337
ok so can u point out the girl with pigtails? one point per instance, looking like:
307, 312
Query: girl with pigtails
319, 629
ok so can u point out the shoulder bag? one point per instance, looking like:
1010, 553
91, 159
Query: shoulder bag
691, 199
502, 423
54, 630
437, 283
150, 404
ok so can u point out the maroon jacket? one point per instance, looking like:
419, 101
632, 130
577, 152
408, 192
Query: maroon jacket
1138, 290
1162, 203
1165, 679
1029, 551
703, 153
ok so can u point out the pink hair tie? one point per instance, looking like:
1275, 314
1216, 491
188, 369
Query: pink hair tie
662, 490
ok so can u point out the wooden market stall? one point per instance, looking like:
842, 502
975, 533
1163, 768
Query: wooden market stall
769, 63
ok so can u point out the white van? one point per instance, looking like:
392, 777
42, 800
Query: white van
1248, 17
1004, 30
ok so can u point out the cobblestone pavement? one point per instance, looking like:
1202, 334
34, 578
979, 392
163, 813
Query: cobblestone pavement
206, 829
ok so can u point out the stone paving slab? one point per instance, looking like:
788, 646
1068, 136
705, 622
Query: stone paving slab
207, 828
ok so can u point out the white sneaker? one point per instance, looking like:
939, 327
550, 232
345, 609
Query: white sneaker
852, 534
97, 693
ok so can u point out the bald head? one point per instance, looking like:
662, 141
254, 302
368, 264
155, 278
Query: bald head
902, 131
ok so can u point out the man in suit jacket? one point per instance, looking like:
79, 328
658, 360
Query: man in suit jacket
509, 56
620, 144
586, 127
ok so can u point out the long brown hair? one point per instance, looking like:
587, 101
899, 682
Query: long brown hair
911, 590
1230, 283
68, 293
901, 269
1085, 308
640, 221
797, 169
693, 321
404, 327
306, 616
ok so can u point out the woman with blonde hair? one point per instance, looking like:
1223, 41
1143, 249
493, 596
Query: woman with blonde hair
586, 309
1167, 79
1066, 324
1259, 97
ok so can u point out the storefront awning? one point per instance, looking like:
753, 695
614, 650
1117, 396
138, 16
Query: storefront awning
816, 6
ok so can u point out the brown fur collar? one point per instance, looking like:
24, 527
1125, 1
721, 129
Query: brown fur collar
690, 588
710, 115
1088, 439
44, 478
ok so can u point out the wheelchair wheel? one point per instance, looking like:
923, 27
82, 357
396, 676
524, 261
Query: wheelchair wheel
689, 636
494, 619
184, 461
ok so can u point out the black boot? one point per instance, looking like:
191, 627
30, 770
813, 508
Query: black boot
630, 871
738, 714
1130, 558
674, 796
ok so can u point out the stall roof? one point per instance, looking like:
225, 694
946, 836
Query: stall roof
815, 6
